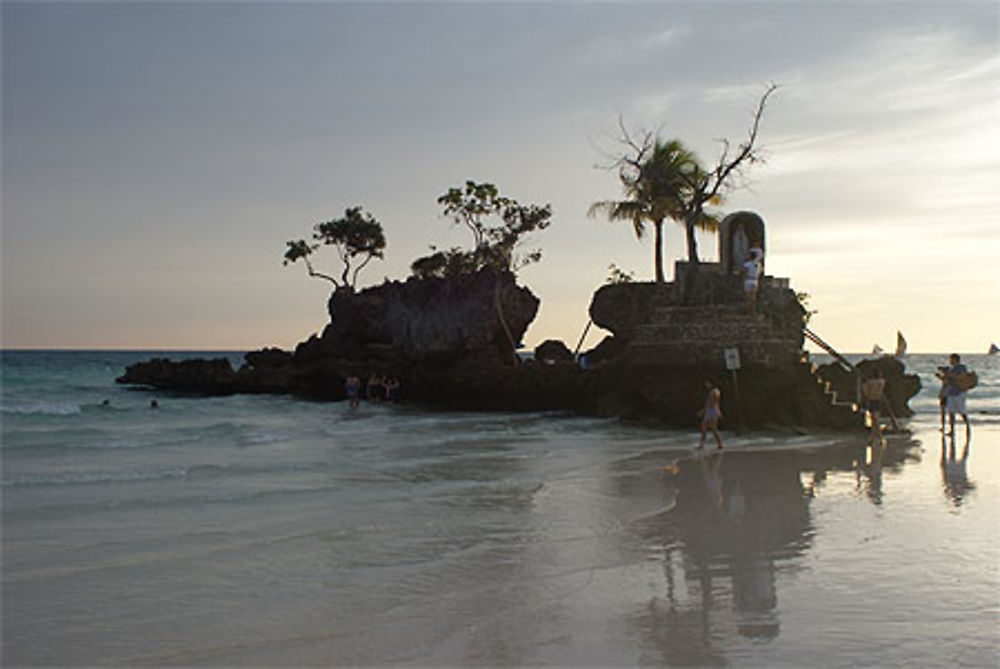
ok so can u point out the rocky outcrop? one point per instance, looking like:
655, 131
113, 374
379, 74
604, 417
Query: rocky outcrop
899, 386
417, 329
451, 344
553, 352
668, 339
427, 320
654, 324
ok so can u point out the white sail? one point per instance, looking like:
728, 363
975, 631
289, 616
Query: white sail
876, 350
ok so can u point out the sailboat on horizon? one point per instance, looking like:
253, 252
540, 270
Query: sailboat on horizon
900, 344
994, 349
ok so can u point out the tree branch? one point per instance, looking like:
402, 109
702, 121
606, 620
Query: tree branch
320, 275
746, 152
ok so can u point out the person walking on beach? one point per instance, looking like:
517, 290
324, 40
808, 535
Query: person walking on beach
711, 414
956, 395
873, 392
751, 277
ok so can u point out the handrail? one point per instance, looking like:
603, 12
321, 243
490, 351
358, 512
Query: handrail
844, 362
815, 338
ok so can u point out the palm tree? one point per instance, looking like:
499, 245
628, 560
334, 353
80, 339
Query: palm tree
656, 182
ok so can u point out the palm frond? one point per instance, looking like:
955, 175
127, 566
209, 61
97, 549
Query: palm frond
635, 213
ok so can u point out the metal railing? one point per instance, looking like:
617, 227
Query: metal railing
841, 360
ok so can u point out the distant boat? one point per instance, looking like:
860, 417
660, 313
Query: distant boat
877, 350
994, 349
900, 344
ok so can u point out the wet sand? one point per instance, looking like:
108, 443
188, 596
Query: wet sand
807, 552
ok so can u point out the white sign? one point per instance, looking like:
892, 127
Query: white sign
732, 358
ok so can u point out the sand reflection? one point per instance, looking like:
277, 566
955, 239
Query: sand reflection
738, 519
954, 469
736, 515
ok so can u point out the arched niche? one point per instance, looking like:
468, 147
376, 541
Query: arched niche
738, 233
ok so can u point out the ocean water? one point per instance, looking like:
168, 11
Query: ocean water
269, 531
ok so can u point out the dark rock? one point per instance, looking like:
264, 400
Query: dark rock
552, 351
442, 320
447, 344
608, 349
268, 358
206, 377
621, 307
899, 386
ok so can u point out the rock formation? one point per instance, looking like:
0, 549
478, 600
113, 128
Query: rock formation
452, 343
419, 331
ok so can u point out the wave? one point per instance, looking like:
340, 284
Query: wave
192, 472
91, 477
44, 409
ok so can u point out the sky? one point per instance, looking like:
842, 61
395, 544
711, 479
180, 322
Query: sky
157, 157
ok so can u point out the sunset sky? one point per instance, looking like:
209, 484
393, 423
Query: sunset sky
157, 157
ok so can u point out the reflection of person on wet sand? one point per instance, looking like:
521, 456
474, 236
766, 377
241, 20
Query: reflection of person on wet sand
942, 393
712, 476
711, 414
871, 468
954, 471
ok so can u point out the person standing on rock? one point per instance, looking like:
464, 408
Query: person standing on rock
711, 414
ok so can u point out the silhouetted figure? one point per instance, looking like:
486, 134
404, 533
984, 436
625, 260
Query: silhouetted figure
873, 393
711, 414
955, 394
352, 387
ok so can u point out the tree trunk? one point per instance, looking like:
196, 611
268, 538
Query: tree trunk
691, 273
658, 243
692, 242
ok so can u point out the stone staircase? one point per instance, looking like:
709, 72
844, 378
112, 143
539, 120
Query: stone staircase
846, 410
849, 406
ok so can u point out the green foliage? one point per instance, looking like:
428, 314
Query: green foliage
656, 178
444, 264
357, 236
664, 179
617, 275
298, 249
498, 226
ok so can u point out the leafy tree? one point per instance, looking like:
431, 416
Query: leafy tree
498, 225
654, 176
663, 179
442, 264
357, 236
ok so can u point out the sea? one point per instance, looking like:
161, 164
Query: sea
258, 530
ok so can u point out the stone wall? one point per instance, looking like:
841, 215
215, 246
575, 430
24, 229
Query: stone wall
655, 327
